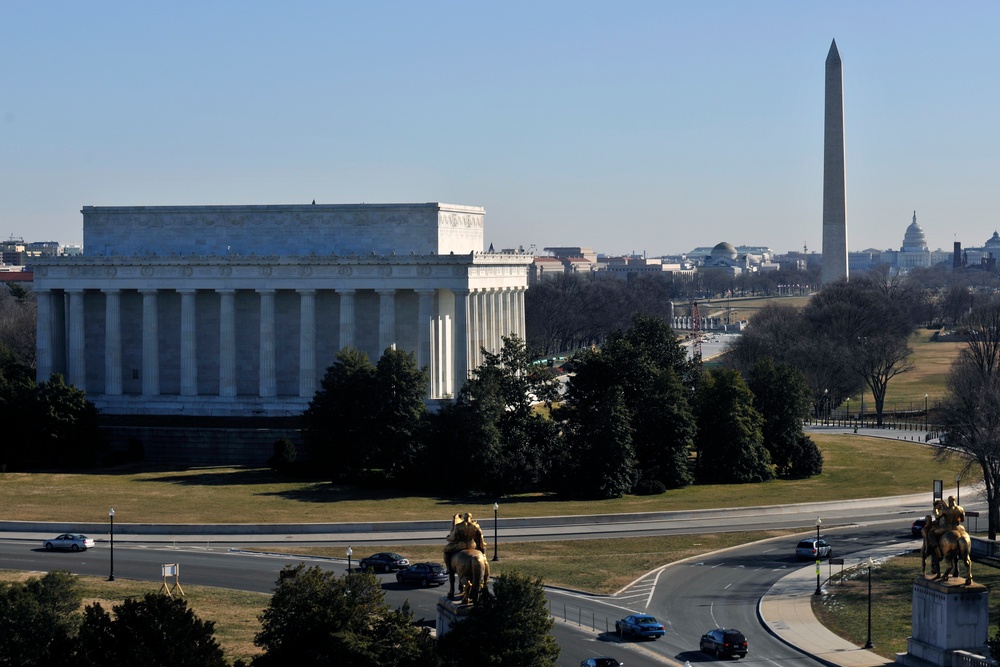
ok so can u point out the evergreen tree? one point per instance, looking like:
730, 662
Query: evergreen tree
38, 620
730, 441
317, 619
600, 460
154, 631
508, 626
783, 400
400, 389
340, 418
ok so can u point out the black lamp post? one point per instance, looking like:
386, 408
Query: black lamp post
496, 508
925, 412
111, 515
819, 522
868, 644
958, 489
350, 552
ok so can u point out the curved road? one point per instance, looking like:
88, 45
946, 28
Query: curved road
690, 597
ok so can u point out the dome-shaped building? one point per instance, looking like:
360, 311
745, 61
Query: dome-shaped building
724, 250
913, 239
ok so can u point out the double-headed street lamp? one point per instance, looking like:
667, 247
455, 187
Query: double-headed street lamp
496, 509
111, 514
819, 522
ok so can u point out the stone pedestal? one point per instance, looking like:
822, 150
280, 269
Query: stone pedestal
449, 612
947, 617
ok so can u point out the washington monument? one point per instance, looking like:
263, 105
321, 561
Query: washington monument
834, 174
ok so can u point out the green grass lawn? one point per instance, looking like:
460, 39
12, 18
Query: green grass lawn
855, 466
844, 608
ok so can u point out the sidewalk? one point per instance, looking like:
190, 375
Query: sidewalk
786, 611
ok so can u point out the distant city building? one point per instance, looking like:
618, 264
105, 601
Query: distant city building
913, 254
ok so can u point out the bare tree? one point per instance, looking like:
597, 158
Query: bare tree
17, 323
879, 359
971, 411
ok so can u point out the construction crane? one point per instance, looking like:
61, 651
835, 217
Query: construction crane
695, 333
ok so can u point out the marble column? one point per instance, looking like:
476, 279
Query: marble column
227, 342
189, 342
43, 342
112, 342
307, 342
386, 319
521, 325
475, 326
346, 317
76, 362
425, 307
461, 337
150, 344
268, 383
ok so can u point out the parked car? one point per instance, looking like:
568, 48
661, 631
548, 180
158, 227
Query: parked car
724, 643
639, 625
813, 549
71, 541
917, 529
384, 561
424, 574
601, 661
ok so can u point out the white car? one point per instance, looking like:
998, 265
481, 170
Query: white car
71, 541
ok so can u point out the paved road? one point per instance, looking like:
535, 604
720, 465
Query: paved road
691, 597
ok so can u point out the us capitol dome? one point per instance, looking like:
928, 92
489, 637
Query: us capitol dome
913, 239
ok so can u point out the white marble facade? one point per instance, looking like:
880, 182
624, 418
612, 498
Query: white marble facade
239, 310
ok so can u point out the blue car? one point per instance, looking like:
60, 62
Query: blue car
639, 625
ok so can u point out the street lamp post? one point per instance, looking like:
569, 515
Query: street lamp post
819, 522
111, 515
496, 556
958, 489
848, 422
826, 408
925, 412
350, 552
868, 644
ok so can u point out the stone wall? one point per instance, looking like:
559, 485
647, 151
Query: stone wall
204, 446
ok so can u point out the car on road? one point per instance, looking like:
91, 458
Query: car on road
813, 549
384, 561
639, 625
71, 541
424, 574
724, 643
918, 527
601, 661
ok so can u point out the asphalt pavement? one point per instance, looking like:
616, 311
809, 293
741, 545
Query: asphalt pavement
785, 610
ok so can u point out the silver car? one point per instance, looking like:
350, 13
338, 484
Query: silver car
71, 541
813, 549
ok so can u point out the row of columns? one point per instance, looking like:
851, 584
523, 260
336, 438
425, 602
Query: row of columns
481, 317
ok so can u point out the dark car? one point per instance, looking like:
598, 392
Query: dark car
384, 561
639, 625
724, 643
601, 661
917, 529
813, 549
424, 574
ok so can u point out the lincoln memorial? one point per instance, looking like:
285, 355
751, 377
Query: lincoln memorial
237, 311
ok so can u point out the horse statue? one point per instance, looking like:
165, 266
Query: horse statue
473, 571
956, 545
465, 556
950, 545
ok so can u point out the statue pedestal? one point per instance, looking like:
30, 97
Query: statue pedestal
947, 617
448, 613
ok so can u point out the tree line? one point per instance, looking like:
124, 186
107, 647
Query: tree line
635, 416
314, 618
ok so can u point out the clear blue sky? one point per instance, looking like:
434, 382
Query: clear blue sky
649, 126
